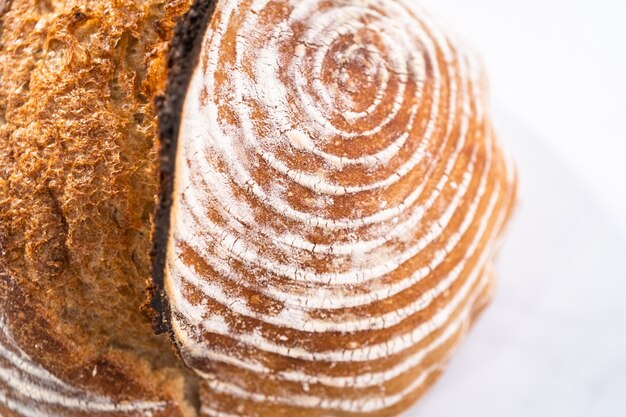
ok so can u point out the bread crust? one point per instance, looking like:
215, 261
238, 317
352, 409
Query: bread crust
339, 199
183, 56
78, 185
86, 197
93, 383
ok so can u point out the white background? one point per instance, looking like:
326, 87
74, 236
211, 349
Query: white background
559, 66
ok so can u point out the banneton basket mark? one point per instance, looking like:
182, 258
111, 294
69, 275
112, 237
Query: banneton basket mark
34, 392
339, 197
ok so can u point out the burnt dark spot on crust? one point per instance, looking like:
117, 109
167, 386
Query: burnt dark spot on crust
78, 16
182, 60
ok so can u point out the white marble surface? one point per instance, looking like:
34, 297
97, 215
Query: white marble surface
554, 341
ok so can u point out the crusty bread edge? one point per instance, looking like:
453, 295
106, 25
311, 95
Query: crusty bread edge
183, 57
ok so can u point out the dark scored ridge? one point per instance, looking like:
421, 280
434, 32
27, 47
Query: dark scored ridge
183, 57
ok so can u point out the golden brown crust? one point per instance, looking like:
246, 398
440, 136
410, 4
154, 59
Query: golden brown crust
79, 175
339, 199
27, 332
77, 190
4, 7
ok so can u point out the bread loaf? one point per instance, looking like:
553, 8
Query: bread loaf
311, 190
78, 176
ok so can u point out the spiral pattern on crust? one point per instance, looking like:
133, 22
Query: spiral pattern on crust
339, 199
28, 389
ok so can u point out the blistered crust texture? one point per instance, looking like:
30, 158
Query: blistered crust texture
340, 196
77, 192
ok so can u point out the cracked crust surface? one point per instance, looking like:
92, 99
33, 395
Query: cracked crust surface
78, 185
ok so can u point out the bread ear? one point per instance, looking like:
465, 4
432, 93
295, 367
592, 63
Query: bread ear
183, 56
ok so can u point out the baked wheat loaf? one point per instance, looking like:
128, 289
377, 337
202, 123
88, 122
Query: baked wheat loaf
77, 184
308, 192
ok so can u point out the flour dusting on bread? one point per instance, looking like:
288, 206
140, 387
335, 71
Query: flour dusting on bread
339, 199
